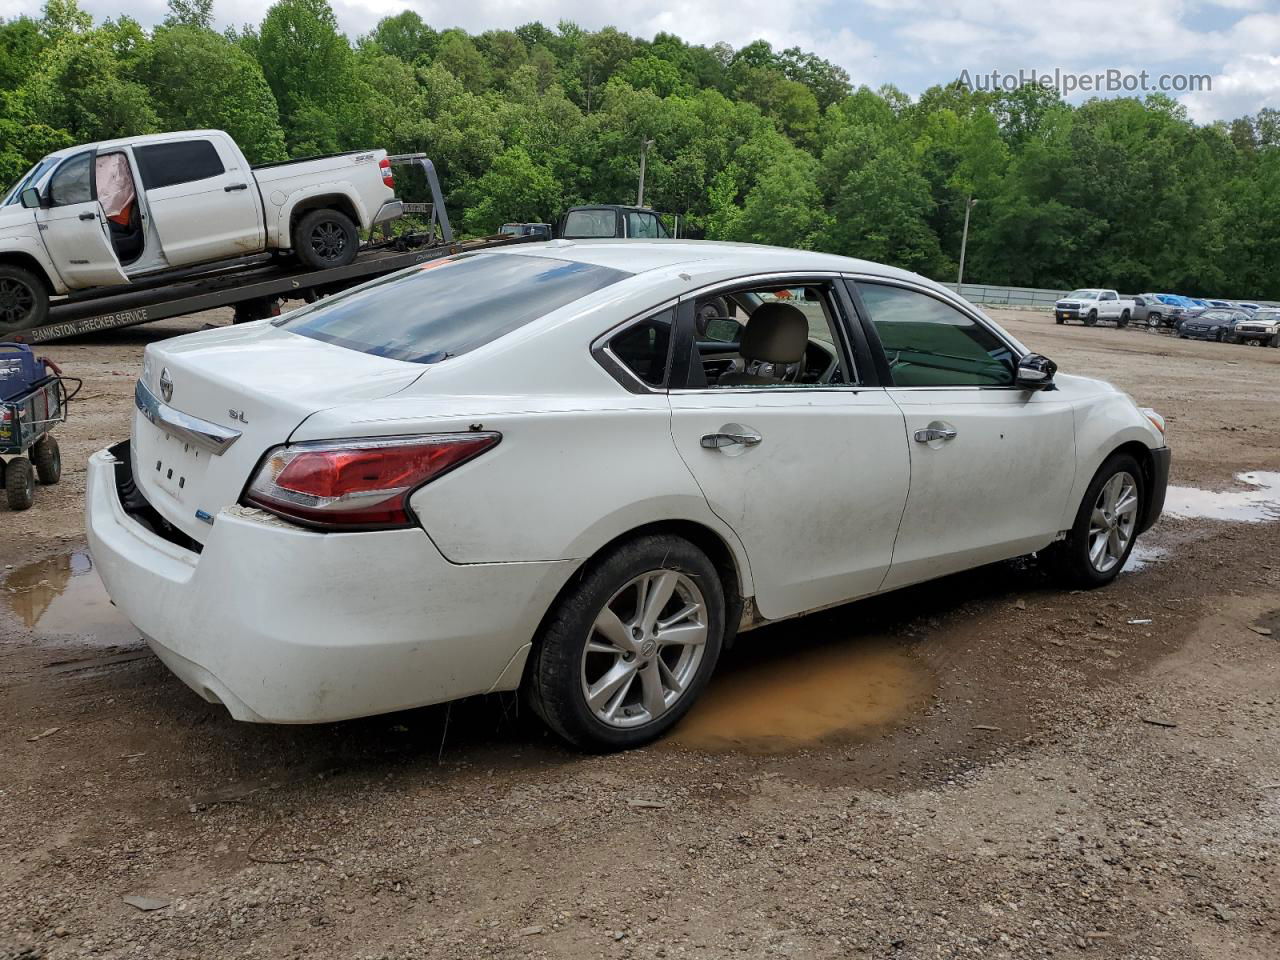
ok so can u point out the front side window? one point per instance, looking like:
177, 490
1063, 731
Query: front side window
29, 179
929, 343
645, 226
590, 223
70, 184
768, 336
448, 307
644, 348
184, 161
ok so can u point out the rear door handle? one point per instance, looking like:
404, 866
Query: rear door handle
235, 186
88, 216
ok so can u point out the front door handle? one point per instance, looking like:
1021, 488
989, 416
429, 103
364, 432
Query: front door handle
235, 186
929, 434
88, 216
716, 441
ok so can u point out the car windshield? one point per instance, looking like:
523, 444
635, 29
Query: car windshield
30, 178
591, 223
450, 306
1082, 295
1217, 315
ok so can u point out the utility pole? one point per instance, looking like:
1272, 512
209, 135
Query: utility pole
644, 149
969, 204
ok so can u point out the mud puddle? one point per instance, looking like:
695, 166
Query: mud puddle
1143, 556
781, 698
63, 600
1258, 504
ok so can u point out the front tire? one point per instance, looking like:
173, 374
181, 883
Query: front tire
1091, 319
1153, 321
629, 646
24, 300
1105, 528
325, 238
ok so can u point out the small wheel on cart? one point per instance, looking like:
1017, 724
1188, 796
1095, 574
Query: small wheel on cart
48, 460
20, 484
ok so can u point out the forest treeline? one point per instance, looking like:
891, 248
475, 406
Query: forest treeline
749, 144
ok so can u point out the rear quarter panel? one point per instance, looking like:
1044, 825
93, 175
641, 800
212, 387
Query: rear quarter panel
353, 176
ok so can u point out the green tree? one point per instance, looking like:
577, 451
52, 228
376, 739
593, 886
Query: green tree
514, 188
308, 66
197, 79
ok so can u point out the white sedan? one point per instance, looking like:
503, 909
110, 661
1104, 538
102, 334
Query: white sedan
580, 469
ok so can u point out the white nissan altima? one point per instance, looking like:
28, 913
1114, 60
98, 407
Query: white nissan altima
580, 469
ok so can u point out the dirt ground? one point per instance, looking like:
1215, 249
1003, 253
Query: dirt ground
983, 767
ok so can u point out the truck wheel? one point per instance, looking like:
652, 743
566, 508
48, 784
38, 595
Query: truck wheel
48, 460
20, 484
1091, 319
1153, 321
1059, 320
1275, 340
1123, 321
325, 238
24, 299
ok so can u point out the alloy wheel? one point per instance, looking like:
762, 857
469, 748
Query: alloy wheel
644, 648
1114, 518
17, 300
328, 240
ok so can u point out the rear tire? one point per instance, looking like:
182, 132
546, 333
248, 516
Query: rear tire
325, 238
20, 484
602, 636
1081, 560
24, 299
1123, 321
48, 460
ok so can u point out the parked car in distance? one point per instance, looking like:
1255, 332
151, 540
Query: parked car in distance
1220, 303
532, 468
1245, 305
540, 230
104, 214
1217, 323
1147, 309
1262, 327
1091, 305
602, 220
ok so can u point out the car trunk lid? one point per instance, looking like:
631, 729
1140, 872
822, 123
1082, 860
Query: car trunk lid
210, 405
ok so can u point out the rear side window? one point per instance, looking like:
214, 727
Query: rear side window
591, 223
644, 348
164, 164
448, 307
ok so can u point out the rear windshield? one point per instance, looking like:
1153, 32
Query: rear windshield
448, 307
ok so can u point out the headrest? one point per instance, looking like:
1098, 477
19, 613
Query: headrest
776, 333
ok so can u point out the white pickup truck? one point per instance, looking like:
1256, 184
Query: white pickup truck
1093, 305
105, 214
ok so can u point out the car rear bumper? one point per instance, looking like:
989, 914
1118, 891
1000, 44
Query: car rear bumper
1159, 483
391, 210
285, 625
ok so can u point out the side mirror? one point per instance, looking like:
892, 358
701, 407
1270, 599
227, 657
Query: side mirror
31, 198
1035, 372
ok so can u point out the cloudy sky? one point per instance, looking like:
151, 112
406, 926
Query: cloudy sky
911, 43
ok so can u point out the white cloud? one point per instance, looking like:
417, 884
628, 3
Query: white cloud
1245, 86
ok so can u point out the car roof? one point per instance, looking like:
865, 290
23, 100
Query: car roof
641, 256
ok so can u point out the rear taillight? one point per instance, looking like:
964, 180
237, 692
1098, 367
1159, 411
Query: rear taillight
357, 484
388, 178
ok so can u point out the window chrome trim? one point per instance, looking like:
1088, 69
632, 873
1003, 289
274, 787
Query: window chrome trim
214, 438
954, 300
